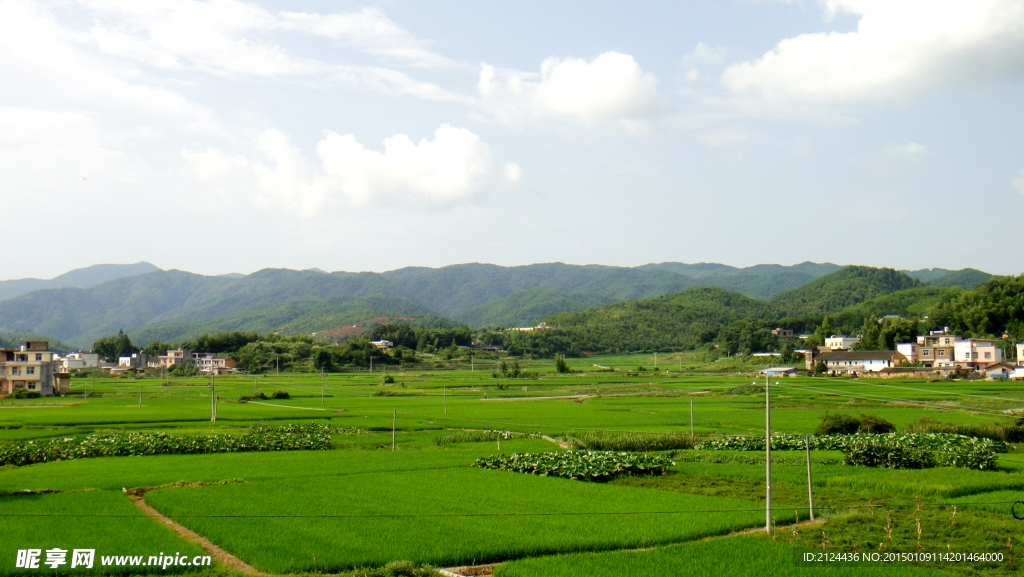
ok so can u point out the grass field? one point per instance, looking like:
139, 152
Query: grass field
360, 504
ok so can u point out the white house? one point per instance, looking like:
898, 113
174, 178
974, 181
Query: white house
1020, 355
860, 361
80, 360
977, 353
840, 342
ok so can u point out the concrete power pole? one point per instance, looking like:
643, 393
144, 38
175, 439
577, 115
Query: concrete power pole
768, 454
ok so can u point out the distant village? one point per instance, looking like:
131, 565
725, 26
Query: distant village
36, 369
937, 354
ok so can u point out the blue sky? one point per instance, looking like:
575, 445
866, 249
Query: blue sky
229, 136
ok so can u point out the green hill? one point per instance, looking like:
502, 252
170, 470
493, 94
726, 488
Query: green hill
908, 303
846, 287
677, 321
967, 278
525, 308
79, 278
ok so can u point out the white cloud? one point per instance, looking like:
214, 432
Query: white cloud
612, 88
899, 48
455, 166
1018, 182
226, 37
909, 150
369, 30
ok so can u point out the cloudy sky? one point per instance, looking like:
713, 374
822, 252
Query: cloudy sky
226, 135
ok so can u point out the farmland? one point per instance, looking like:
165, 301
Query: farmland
359, 503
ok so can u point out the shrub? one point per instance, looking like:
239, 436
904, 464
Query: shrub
873, 425
389, 380
280, 395
838, 424
743, 390
25, 394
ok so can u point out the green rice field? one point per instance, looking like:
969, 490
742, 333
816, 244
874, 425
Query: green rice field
386, 491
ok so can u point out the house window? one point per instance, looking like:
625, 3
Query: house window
942, 353
926, 353
30, 370
988, 355
39, 356
974, 355
31, 386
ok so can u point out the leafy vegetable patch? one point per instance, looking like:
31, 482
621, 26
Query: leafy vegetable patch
891, 450
260, 438
597, 466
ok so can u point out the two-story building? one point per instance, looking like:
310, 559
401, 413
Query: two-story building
209, 363
1020, 354
840, 342
80, 360
176, 357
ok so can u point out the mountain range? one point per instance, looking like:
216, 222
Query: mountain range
169, 305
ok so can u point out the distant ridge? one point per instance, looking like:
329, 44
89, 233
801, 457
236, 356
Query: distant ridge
173, 305
86, 277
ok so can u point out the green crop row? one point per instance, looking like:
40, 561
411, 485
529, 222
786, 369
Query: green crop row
630, 441
262, 438
450, 437
922, 441
891, 450
596, 466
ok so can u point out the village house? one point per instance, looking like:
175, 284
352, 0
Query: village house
854, 361
209, 363
783, 333
176, 357
840, 342
934, 350
32, 368
78, 361
977, 354
1020, 355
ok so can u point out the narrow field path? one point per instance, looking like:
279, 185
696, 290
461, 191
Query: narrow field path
229, 560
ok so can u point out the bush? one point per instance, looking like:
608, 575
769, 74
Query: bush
280, 395
25, 394
389, 380
871, 453
872, 425
838, 424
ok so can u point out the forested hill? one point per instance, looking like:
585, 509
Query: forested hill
849, 286
177, 305
735, 323
678, 321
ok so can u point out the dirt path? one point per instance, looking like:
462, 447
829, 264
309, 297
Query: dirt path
216, 552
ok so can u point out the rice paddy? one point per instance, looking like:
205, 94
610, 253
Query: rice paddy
388, 490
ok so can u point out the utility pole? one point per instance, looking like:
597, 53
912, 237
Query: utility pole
655, 360
277, 360
140, 398
444, 391
394, 422
254, 385
768, 454
471, 369
691, 417
810, 485
371, 362
321, 384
